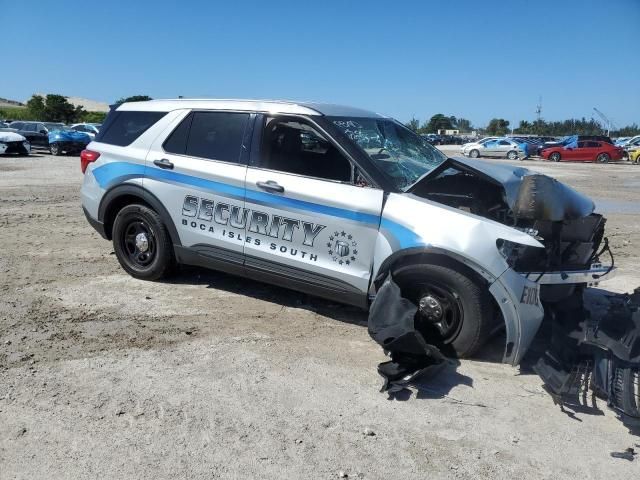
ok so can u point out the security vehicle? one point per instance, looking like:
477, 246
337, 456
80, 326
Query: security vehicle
330, 200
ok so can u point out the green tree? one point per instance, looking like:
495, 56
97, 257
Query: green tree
437, 122
134, 98
498, 127
53, 108
36, 106
58, 109
464, 125
413, 124
94, 117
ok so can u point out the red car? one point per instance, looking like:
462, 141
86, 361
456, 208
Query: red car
587, 151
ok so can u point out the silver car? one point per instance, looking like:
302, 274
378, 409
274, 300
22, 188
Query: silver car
495, 147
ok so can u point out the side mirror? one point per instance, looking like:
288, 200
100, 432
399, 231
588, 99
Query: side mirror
43, 131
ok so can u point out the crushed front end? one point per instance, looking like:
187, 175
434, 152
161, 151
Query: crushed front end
561, 219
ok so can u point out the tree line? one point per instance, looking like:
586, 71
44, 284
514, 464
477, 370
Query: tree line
500, 127
57, 108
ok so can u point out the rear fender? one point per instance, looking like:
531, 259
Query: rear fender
124, 194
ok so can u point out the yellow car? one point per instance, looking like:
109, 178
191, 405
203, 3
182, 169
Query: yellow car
634, 155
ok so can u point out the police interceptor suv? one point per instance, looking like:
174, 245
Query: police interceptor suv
329, 200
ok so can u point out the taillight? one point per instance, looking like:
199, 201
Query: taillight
87, 157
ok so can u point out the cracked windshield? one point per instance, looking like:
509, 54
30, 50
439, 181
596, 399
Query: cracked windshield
398, 152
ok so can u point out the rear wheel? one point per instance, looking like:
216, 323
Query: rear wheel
55, 149
454, 312
603, 158
474, 153
554, 157
142, 243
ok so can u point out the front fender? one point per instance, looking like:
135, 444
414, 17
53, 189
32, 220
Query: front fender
470, 241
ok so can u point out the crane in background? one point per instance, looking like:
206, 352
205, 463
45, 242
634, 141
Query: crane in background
608, 123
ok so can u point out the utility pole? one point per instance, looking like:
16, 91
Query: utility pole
539, 109
608, 123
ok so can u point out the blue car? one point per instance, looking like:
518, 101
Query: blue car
64, 139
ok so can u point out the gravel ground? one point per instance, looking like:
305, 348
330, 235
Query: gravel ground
212, 376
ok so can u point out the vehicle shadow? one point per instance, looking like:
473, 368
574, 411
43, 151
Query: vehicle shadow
269, 293
434, 382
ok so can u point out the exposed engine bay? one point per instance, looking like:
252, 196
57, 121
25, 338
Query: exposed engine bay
562, 219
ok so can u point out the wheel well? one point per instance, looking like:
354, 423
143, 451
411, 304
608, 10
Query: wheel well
115, 206
442, 260
431, 259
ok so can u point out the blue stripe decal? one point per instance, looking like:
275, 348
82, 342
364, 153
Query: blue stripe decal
111, 174
404, 236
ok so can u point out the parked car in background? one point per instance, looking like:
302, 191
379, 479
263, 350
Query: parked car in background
584, 151
432, 138
37, 133
67, 140
90, 129
634, 154
499, 147
11, 142
573, 140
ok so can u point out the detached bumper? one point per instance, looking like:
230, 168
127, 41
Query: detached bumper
596, 274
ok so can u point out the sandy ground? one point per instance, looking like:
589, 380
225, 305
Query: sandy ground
212, 376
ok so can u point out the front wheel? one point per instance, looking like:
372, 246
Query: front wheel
55, 149
512, 155
142, 243
603, 158
474, 153
454, 311
554, 157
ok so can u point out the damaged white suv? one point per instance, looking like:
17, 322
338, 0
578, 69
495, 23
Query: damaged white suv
328, 200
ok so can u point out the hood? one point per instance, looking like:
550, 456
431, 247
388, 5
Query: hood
11, 137
68, 136
528, 194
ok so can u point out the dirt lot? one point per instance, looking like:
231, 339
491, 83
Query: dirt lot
207, 375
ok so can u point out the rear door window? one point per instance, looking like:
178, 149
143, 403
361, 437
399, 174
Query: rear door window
122, 128
215, 135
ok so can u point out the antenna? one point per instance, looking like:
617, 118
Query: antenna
539, 108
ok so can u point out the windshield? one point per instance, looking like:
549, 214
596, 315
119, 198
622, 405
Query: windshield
401, 154
54, 126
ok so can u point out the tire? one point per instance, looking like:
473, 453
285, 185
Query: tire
152, 263
55, 149
461, 336
512, 155
554, 157
603, 158
474, 153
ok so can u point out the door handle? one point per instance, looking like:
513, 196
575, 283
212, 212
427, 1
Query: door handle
271, 186
163, 163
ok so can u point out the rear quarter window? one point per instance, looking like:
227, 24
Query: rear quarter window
122, 128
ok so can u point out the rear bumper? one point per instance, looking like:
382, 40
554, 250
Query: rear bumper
96, 224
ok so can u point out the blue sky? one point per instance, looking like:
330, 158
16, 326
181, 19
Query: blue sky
469, 58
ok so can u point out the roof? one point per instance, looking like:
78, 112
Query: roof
270, 106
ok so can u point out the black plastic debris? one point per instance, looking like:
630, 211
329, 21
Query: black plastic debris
392, 326
595, 357
628, 454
